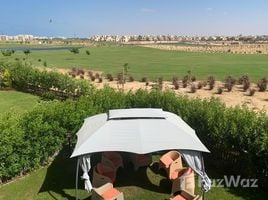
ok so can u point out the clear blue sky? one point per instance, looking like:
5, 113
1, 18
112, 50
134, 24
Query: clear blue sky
82, 18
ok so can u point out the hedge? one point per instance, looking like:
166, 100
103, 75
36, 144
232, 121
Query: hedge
27, 142
29, 79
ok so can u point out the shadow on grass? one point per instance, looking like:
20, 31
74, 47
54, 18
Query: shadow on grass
60, 176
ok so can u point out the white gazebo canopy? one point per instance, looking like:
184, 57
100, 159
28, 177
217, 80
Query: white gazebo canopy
136, 130
141, 131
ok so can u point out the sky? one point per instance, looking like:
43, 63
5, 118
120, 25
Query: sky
84, 18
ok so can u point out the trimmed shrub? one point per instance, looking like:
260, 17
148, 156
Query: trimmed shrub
131, 79
92, 78
219, 90
228, 86
230, 80
211, 82
97, 75
185, 79
110, 77
120, 78
246, 84
90, 73
262, 84
242, 79
176, 85
193, 78
144, 79
193, 88
199, 85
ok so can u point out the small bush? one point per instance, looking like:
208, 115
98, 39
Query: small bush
251, 91
193, 88
144, 79
27, 52
242, 79
184, 84
7, 52
147, 83
92, 78
45, 63
211, 82
120, 78
88, 52
230, 80
109, 77
219, 90
262, 84
80, 72
89, 73
185, 79
193, 78
82, 76
199, 85
97, 75
131, 78
39, 60
246, 84
228, 86
100, 79
176, 85
74, 50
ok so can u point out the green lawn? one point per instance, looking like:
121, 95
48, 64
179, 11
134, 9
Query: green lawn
57, 181
152, 63
16, 102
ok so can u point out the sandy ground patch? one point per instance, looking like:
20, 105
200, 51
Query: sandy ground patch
236, 97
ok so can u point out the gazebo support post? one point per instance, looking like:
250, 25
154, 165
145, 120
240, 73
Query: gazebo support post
76, 179
203, 167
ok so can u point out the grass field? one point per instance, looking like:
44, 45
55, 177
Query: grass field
152, 63
57, 181
16, 102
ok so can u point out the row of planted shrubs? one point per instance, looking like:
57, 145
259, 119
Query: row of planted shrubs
28, 141
26, 78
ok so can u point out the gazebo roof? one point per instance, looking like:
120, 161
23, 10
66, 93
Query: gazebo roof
140, 130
